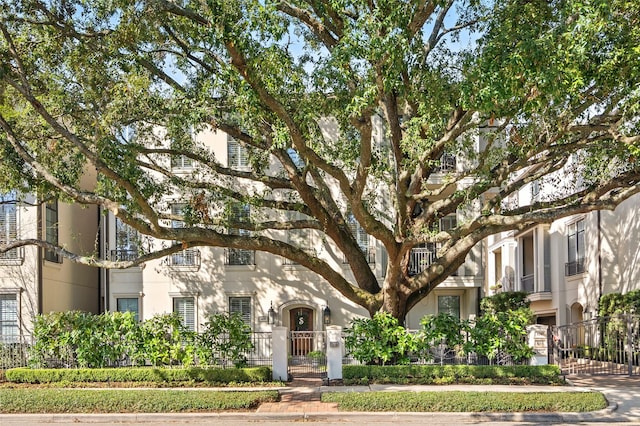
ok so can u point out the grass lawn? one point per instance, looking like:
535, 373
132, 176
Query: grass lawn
41, 400
458, 401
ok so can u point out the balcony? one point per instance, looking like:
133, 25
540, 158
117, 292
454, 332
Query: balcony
574, 268
189, 258
448, 163
120, 255
527, 283
420, 259
240, 257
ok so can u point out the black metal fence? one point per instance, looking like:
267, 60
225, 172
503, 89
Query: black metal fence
15, 351
307, 353
605, 345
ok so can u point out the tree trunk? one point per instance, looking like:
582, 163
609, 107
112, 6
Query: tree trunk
394, 299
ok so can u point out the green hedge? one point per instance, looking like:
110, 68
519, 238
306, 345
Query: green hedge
445, 374
462, 401
144, 374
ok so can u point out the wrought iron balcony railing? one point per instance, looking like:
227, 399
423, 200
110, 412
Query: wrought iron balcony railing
185, 258
574, 268
420, 259
240, 257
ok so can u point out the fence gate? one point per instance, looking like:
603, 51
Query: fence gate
606, 345
307, 354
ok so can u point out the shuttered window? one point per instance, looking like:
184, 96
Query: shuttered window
359, 233
8, 224
242, 306
185, 308
181, 162
8, 316
237, 154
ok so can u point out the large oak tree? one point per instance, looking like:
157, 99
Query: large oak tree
553, 85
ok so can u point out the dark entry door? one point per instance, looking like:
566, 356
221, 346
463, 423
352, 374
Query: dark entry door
301, 320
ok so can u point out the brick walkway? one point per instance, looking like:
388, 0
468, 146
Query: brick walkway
301, 396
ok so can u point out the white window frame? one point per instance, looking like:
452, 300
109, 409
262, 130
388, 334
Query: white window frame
136, 297
458, 296
184, 297
237, 155
187, 257
9, 227
243, 298
52, 229
7, 323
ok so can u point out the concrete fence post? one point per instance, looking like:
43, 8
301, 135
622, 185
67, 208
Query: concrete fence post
334, 352
538, 340
279, 352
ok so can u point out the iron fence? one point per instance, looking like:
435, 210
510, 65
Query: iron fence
604, 345
15, 351
442, 354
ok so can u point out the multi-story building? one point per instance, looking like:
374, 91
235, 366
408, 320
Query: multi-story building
566, 266
265, 289
34, 280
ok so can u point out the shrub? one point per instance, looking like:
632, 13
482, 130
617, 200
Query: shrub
502, 334
224, 337
166, 341
616, 303
379, 340
505, 301
140, 374
442, 331
446, 374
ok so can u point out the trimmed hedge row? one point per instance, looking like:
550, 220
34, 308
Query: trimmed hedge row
446, 374
141, 374
463, 401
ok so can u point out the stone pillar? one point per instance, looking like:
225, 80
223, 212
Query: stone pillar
334, 352
538, 340
279, 349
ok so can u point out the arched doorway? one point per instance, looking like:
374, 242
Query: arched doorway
301, 321
577, 312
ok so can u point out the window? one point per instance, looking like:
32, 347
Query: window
242, 306
361, 236
189, 256
240, 213
51, 231
181, 162
8, 316
128, 304
449, 305
448, 222
426, 254
185, 308
237, 154
535, 189
126, 242
576, 248
9, 226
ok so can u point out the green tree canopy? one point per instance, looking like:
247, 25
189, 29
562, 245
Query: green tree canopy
549, 84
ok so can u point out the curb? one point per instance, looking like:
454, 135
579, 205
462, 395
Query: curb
352, 416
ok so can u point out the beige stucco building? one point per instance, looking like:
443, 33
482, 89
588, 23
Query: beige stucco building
34, 280
267, 290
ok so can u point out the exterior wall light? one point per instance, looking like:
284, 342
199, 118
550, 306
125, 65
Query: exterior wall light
272, 314
326, 315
